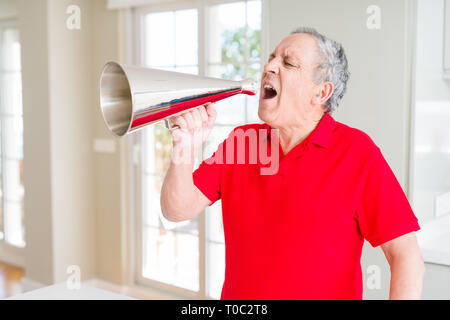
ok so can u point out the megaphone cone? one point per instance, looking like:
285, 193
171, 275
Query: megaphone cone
133, 97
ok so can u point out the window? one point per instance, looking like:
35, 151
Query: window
12, 231
430, 158
189, 257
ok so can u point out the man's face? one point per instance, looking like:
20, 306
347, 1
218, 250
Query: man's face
290, 72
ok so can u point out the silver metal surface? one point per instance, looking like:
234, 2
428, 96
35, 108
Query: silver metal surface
134, 97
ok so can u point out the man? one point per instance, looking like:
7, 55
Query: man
298, 233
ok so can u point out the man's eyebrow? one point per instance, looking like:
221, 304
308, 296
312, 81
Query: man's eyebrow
272, 55
292, 57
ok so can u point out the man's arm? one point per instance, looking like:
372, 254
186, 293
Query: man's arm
180, 198
407, 267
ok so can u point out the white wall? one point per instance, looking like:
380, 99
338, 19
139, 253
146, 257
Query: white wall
109, 200
58, 158
71, 87
73, 203
36, 117
8, 9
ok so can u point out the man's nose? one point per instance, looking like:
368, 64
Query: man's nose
271, 67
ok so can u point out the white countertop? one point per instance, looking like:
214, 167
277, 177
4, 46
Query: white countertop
61, 291
434, 240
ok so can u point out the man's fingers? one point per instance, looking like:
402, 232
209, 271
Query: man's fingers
193, 119
211, 110
189, 120
192, 126
197, 118
204, 115
176, 134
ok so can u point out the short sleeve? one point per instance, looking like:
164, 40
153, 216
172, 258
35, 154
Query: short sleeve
384, 212
208, 177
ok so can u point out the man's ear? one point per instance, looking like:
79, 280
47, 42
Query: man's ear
323, 93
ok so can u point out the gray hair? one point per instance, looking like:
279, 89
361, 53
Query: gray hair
332, 68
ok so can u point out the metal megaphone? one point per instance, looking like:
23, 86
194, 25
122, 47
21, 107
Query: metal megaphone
133, 97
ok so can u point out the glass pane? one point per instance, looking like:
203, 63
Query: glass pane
11, 164
151, 202
254, 29
254, 15
252, 109
254, 72
431, 159
159, 255
231, 110
159, 39
170, 68
186, 47
152, 215
157, 150
13, 134
11, 50
228, 71
14, 231
151, 181
227, 32
163, 148
216, 269
11, 93
13, 180
148, 140
187, 262
171, 258
233, 45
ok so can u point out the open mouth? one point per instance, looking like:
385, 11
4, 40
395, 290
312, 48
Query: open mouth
269, 92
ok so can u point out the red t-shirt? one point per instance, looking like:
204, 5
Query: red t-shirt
298, 234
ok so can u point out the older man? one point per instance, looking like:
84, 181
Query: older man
298, 233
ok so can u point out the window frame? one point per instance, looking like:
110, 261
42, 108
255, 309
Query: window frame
9, 253
446, 46
136, 156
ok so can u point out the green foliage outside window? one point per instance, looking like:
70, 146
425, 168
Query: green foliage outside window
233, 53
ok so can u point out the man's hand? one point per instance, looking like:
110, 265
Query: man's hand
407, 267
190, 129
180, 198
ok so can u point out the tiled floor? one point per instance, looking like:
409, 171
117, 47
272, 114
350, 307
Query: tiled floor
10, 280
